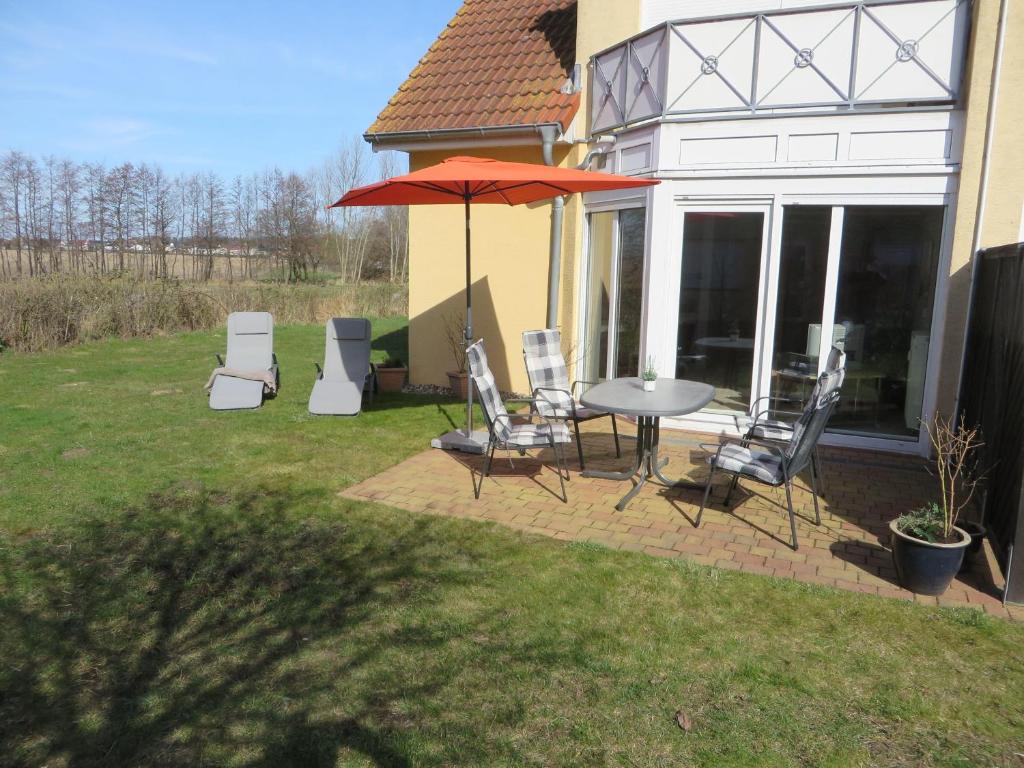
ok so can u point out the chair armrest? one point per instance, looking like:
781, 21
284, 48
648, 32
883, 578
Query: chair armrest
757, 414
554, 406
273, 356
770, 447
508, 417
773, 399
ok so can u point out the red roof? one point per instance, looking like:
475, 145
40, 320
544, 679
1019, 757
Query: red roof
497, 63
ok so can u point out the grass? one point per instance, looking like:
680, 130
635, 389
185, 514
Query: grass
179, 587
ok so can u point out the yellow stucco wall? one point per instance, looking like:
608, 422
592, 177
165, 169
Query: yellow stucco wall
1002, 218
510, 275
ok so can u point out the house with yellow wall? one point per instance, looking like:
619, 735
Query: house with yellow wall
827, 171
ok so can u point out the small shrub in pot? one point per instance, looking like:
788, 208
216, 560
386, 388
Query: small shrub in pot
454, 332
927, 546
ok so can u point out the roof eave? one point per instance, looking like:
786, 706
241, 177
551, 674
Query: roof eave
526, 131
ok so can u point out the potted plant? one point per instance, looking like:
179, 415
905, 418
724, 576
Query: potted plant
977, 532
391, 375
927, 545
458, 380
649, 375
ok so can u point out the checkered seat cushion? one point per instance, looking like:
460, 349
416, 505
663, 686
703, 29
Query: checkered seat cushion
761, 465
506, 429
538, 434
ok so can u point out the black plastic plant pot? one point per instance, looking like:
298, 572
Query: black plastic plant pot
924, 567
977, 532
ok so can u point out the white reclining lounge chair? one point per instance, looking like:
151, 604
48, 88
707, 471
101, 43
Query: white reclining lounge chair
347, 372
250, 370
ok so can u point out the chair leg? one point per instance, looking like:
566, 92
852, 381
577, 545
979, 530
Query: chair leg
615, 432
816, 464
559, 462
792, 514
704, 501
579, 444
732, 487
486, 472
814, 492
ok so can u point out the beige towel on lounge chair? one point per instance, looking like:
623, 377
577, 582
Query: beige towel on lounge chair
267, 377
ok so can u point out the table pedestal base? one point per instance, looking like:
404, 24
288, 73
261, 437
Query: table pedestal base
647, 466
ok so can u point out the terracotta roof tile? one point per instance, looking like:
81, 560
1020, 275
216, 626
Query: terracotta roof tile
498, 62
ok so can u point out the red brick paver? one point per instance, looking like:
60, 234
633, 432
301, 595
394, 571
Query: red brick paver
862, 492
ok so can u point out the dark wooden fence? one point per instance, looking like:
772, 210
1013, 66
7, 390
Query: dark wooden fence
992, 396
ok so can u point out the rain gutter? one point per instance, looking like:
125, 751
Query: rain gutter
548, 134
530, 131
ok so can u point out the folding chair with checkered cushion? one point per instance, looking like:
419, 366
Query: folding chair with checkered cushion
768, 422
515, 432
549, 385
776, 465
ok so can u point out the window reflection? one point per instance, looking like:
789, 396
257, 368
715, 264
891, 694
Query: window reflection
884, 299
718, 303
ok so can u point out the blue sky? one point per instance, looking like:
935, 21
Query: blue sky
232, 87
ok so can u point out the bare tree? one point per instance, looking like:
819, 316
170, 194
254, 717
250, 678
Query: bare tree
396, 221
12, 172
58, 215
68, 191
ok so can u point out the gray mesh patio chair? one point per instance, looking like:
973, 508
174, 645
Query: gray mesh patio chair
773, 464
513, 432
549, 385
768, 421
347, 371
250, 351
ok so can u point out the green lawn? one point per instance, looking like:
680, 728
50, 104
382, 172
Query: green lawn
182, 587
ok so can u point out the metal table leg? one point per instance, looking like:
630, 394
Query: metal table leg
647, 466
656, 465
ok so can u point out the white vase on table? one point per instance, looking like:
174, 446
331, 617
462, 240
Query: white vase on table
649, 384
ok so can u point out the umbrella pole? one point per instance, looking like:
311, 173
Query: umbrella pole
469, 322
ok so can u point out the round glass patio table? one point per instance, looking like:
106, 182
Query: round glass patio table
671, 397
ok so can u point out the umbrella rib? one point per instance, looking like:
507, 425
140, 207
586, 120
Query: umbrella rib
432, 187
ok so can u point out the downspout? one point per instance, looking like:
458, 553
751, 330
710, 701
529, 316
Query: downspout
979, 216
548, 134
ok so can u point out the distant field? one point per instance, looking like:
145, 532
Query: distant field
183, 266
57, 310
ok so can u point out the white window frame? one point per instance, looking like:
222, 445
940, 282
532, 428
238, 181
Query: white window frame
665, 336
583, 287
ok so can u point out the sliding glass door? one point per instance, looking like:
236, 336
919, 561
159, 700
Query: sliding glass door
614, 294
862, 278
719, 302
883, 315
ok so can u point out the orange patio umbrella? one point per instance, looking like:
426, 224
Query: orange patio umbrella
481, 180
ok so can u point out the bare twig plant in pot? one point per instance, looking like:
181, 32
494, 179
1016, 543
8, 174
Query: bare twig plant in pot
927, 545
455, 336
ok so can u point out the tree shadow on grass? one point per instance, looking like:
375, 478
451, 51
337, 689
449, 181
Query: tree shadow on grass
201, 629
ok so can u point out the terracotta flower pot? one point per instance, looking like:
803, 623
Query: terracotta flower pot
391, 379
925, 567
459, 382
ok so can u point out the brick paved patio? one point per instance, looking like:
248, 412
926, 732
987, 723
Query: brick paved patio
863, 491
